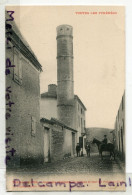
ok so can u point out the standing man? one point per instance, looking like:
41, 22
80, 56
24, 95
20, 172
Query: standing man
87, 147
78, 149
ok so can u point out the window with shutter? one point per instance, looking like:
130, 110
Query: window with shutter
18, 67
20, 70
33, 126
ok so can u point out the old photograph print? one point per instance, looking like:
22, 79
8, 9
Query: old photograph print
65, 98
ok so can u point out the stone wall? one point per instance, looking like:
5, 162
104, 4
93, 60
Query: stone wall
57, 141
62, 140
67, 148
26, 98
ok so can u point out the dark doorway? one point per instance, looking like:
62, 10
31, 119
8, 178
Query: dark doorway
73, 143
46, 145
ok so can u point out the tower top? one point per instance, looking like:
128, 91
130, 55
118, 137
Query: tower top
64, 29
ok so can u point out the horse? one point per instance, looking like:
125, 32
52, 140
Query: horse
102, 147
88, 149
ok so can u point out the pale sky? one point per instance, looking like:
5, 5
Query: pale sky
99, 54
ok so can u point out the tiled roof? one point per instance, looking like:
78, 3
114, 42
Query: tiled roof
76, 97
21, 44
56, 121
48, 95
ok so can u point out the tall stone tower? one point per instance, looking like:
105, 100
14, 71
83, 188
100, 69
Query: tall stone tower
65, 91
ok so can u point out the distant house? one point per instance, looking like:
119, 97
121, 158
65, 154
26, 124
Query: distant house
48, 109
23, 82
119, 133
80, 122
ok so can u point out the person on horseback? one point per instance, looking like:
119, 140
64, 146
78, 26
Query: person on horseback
105, 145
104, 141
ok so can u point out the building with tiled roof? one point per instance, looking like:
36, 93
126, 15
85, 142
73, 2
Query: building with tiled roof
48, 109
23, 86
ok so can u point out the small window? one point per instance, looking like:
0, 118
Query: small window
84, 123
81, 111
78, 121
17, 68
33, 126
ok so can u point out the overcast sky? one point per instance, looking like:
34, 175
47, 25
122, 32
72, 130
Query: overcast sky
99, 56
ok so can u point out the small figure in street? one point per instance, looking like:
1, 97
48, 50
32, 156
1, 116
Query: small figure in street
87, 147
78, 149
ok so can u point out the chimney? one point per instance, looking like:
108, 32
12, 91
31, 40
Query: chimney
52, 89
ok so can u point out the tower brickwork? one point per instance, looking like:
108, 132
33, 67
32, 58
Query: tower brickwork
65, 89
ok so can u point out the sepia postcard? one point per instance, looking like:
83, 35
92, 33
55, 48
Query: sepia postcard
65, 98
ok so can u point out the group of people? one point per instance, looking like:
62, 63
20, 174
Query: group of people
88, 147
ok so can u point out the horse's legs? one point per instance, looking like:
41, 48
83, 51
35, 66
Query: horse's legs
101, 155
110, 155
114, 154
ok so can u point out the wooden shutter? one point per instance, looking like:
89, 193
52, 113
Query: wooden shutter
16, 68
33, 126
20, 70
